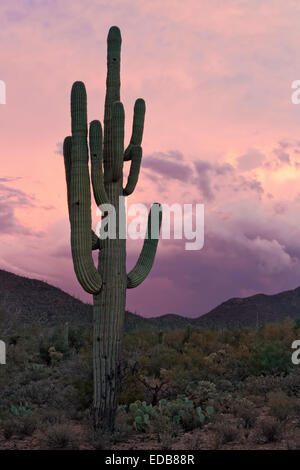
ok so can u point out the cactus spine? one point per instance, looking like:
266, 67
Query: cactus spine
109, 282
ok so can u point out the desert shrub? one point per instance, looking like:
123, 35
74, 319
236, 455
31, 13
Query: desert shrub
83, 395
157, 358
177, 339
180, 377
203, 393
236, 369
37, 392
261, 385
28, 425
56, 339
165, 431
77, 337
227, 431
164, 428
166, 442
296, 413
46, 343
283, 333
60, 437
247, 414
131, 390
206, 341
50, 392
9, 427
192, 442
34, 373
224, 385
280, 404
291, 383
272, 358
224, 404
123, 426
230, 403
190, 420
269, 429
50, 416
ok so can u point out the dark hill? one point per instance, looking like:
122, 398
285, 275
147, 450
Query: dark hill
258, 308
26, 300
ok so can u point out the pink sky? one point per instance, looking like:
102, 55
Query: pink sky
220, 129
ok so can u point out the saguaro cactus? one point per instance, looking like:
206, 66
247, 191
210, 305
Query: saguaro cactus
109, 282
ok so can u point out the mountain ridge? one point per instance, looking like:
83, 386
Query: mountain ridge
26, 300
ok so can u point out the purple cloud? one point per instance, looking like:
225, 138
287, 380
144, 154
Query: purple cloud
282, 155
170, 169
250, 160
10, 200
206, 173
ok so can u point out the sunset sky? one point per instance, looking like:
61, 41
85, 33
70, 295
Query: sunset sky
220, 129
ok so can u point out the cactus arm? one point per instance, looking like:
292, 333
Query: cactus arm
146, 259
113, 84
118, 119
80, 195
67, 147
137, 127
136, 158
95, 138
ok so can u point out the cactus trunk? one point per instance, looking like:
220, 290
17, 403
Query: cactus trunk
109, 310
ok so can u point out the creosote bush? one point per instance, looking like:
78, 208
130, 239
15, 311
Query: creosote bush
280, 404
60, 437
269, 429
